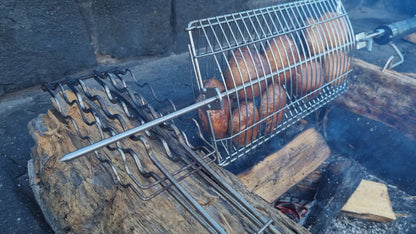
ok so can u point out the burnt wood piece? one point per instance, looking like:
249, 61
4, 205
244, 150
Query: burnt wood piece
81, 196
280, 171
339, 180
388, 97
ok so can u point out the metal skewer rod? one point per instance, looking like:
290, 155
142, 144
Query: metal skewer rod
122, 135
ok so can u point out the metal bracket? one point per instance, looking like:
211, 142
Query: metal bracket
209, 93
389, 64
366, 39
363, 41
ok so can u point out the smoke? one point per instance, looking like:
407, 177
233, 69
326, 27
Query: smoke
384, 151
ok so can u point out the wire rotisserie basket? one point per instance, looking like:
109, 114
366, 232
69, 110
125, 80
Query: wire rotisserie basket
273, 66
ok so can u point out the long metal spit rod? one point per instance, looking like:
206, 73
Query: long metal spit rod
122, 135
395, 30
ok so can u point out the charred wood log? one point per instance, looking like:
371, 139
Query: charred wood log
388, 97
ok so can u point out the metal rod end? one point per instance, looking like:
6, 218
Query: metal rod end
69, 156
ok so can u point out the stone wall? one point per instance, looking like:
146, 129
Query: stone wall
41, 41
46, 40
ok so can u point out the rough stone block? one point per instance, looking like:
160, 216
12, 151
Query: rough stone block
41, 41
132, 28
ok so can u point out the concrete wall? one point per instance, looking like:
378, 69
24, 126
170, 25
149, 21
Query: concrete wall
46, 40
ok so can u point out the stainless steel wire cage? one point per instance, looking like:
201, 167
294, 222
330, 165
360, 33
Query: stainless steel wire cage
273, 66
268, 68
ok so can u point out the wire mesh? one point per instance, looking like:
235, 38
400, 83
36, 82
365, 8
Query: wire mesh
273, 65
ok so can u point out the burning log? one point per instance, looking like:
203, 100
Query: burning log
388, 97
83, 195
285, 168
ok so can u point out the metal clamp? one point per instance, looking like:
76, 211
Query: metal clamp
365, 39
209, 93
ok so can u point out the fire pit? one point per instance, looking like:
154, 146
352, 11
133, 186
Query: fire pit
269, 77
189, 150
